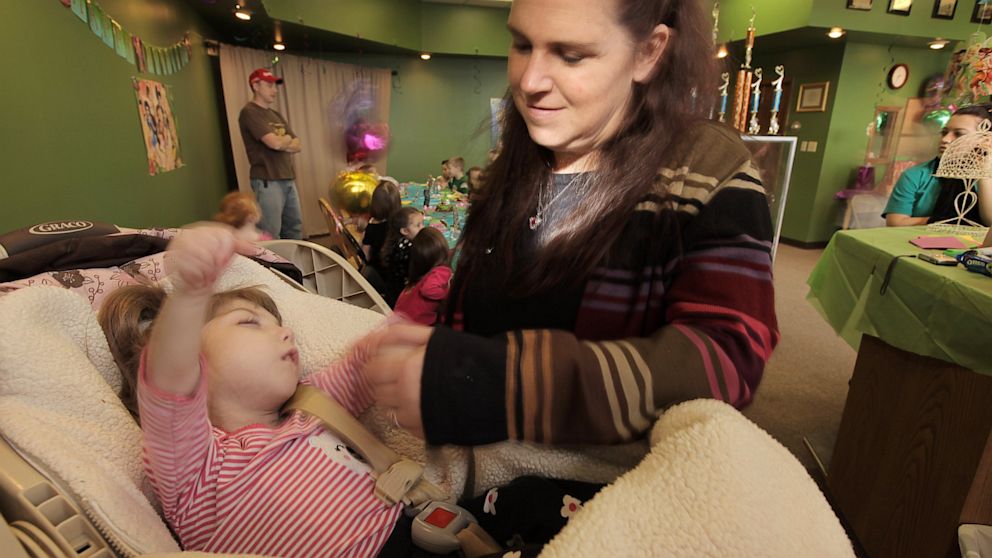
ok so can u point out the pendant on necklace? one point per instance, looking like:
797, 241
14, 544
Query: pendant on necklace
535, 221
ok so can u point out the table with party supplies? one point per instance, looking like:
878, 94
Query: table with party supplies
913, 457
445, 210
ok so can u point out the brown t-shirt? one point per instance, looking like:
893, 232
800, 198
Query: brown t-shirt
266, 164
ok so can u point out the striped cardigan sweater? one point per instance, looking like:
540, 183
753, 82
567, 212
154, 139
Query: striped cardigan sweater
681, 308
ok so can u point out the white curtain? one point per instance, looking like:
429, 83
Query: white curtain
312, 99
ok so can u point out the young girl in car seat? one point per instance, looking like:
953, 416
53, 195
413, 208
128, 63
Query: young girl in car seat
208, 374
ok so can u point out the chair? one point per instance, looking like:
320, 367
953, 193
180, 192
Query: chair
341, 238
327, 273
864, 211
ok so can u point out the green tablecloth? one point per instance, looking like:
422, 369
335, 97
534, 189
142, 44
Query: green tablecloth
938, 311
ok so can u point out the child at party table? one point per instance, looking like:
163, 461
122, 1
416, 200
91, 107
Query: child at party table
456, 168
404, 224
385, 202
474, 183
429, 278
241, 211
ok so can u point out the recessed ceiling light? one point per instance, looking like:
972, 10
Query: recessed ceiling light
835, 33
722, 51
279, 46
425, 56
938, 43
242, 13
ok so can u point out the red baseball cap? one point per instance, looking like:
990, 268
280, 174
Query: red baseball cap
263, 74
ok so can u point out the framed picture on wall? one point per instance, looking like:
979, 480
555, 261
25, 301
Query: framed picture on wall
982, 12
900, 7
944, 9
859, 4
813, 97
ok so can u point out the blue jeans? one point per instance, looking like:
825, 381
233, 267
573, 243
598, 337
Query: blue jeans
280, 205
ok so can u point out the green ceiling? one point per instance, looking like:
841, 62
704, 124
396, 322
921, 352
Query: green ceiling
776, 16
407, 24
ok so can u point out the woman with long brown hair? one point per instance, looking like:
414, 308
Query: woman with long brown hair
618, 260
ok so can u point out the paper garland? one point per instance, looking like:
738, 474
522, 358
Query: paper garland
147, 58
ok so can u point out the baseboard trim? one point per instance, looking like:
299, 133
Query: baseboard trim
804, 245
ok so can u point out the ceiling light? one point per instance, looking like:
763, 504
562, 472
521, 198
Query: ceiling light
279, 46
242, 13
938, 43
722, 51
835, 33
425, 56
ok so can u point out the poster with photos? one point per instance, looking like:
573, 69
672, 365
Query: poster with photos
944, 9
859, 5
158, 126
900, 7
982, 12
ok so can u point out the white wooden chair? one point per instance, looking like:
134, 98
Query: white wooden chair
328, 274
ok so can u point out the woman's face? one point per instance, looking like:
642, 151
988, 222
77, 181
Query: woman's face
957, 126
572, 70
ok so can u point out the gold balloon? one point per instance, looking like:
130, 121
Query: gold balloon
352, 192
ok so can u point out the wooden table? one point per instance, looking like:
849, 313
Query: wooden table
913, 457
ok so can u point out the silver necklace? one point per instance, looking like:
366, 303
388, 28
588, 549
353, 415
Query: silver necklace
542, 207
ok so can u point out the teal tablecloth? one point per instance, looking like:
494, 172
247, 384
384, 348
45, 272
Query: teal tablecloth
938, 311
453, 220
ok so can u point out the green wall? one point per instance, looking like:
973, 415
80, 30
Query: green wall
773, 16
420, 26
72, 144
856, 73
437, 109
860, 88
808, 65
919, 23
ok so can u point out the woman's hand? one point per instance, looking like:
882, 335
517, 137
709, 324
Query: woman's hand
395, 371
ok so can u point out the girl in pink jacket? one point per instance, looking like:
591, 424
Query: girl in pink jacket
429, 278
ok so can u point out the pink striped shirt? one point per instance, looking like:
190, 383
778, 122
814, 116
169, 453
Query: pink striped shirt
293, 490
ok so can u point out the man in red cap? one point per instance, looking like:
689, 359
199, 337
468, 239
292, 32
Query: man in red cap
270, 144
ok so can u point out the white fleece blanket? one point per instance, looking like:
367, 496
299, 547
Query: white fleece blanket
714, 484
723, 486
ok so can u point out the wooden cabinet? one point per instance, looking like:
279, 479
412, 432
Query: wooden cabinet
913, 457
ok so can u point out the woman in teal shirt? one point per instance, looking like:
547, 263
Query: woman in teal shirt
916, 197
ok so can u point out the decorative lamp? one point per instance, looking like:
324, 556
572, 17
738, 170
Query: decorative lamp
968, 158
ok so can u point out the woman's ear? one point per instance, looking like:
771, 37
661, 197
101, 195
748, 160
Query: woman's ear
649, 53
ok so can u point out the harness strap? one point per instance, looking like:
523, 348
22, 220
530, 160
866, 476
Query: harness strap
397, 479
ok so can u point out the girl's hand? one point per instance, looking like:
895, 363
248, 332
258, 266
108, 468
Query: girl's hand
198, 255
395, 371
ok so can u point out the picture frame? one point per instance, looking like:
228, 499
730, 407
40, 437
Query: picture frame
944, 9
900, 7
982, 12
859, 5
812, 97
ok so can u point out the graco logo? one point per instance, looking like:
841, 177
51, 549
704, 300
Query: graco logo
60, 227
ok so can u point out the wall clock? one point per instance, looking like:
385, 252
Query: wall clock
898, 76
